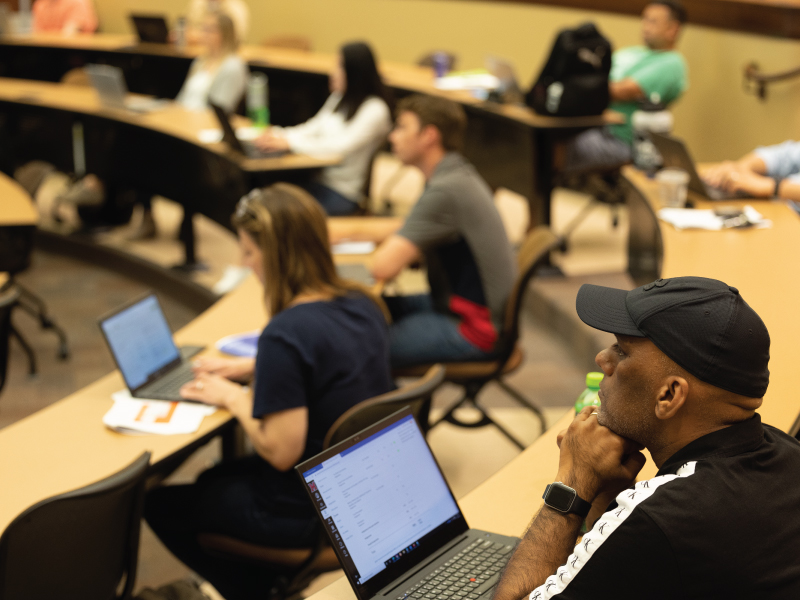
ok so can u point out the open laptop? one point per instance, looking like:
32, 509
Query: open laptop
393, 520
675, 155
508, 91
142, 346
151, 29
246, 147
110, 85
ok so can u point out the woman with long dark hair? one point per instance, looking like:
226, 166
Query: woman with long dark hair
353, 123
324, 350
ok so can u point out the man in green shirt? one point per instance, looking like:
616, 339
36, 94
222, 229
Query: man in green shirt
654, 71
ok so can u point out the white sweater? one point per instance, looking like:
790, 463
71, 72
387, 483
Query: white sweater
224, 86
355, 140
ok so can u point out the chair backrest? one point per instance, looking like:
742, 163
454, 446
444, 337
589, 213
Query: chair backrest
78, 545
8, 298
417, 395
77, 76
533, 253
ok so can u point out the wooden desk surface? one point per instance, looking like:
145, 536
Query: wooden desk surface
398, 75
173, 120
16, 206
65, 446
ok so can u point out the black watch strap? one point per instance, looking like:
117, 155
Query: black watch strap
778, 181
564, 499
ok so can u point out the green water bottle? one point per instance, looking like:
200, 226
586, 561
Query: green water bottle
258, 100
589, 396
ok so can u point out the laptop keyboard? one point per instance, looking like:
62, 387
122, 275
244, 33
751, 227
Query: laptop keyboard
168, 387
468, 575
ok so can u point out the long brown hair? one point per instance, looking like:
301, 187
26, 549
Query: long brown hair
290, 229
227, 31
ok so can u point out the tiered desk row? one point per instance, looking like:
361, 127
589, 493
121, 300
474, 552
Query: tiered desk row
66, 446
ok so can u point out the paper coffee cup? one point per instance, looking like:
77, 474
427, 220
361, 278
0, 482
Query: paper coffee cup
673, 185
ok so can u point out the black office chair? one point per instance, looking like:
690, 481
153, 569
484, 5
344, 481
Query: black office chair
80, 545
8, 298
473, 376
605, 187
16, 248
304, 564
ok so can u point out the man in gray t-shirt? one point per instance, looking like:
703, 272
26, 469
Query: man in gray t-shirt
456, 228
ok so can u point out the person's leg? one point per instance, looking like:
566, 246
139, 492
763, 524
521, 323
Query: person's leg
332, 201
402, 306
227, 500
595, 150
426, 336
146, 229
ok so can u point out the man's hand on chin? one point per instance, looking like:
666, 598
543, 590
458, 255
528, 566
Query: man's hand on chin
594, 460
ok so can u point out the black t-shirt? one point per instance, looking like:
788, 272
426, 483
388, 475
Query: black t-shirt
327, 356
720, 520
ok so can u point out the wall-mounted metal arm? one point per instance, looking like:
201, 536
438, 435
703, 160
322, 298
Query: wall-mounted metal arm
755, 81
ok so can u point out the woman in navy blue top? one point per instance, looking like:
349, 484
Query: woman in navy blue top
324, 350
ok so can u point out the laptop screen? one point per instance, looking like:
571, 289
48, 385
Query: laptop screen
140, 340
384, 502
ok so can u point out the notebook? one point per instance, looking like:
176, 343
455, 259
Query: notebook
141, 343
151, 29
393, 521
246, 147
675, 155
110, 85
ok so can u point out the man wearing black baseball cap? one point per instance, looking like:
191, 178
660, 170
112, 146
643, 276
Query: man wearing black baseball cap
721, 519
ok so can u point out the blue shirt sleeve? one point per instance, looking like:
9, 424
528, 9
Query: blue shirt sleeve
782, 160
279, 377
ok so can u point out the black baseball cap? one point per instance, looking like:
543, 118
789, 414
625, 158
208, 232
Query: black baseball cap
704, 325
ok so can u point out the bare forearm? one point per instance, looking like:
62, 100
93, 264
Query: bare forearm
546, 545
241, 407
752, 162
625, 90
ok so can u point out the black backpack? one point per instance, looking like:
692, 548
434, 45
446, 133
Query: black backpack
574, 80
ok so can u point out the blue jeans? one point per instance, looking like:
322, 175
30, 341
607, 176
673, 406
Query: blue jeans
245, 499
596, 150
421, 335
331, 201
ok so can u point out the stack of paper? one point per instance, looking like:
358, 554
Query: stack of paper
478, 79
689, 218
353, 248
135, 416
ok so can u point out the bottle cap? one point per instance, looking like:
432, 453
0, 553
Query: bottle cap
593, 380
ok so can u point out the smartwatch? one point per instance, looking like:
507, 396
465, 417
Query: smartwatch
565, 500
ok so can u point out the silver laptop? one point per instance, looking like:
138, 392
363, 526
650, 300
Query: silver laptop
393, 521
110, 85
509, 91
142, 346
675, 155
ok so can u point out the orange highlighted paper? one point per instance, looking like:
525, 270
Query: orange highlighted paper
136, 416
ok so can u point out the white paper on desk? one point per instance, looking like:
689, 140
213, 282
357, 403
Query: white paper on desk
161, 417
248, 133
353, 248
691, 218
467, 81
210, 136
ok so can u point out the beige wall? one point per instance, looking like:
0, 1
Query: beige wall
716, 117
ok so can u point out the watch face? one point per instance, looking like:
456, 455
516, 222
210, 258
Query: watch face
560, 497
